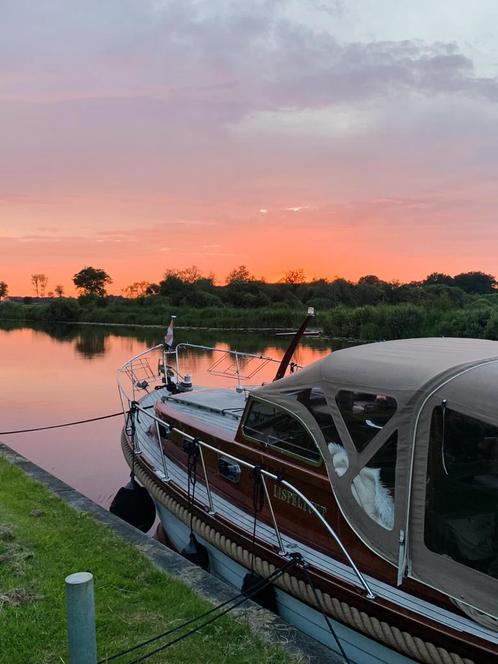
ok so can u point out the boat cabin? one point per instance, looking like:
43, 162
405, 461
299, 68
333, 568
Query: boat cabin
407, 432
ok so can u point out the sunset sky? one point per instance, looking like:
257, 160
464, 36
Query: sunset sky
342, 137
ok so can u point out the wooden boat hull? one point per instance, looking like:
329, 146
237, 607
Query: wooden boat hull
359, 648
285, 443
368, 636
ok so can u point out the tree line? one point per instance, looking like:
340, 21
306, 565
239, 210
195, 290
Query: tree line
465, 304
189, 287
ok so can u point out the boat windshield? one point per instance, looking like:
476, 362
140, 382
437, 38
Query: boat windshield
364, 414
275, 427
461, 515
314, 400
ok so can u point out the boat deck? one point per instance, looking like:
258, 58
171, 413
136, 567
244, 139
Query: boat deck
219, 409
210, 409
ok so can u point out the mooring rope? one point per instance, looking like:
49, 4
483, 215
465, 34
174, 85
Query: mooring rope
192, 449
236, 601
258, 502
72, 424
130, 429
304, 566
59, 426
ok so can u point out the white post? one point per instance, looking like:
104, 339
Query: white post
80, 605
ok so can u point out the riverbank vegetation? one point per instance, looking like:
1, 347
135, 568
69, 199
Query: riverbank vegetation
464, 305
42, 540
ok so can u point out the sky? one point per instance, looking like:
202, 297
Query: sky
341, 137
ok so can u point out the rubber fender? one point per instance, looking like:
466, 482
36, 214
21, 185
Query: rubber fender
196, 553
133, 504
266, 597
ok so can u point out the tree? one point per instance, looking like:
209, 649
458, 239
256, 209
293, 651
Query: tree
438, 278
35, 282
294, 277
39, 282
244, 290
173, 287
476, 282
186, 287
59, 290
152, 289
341, 292
189, 274
43, 284
4, 289
64, 310
136, 289
370, 279
368, 293
239, 274
92, 281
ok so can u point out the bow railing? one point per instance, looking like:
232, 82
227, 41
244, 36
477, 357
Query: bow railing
148, 369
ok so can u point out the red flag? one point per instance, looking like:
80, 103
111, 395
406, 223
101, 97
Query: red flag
168, 337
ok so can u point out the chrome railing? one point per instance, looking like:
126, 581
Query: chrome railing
231, 364
130, 369
135, 408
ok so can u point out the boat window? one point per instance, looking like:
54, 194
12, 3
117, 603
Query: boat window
461, 514
364, 414
314, 400
373, 487
277, 428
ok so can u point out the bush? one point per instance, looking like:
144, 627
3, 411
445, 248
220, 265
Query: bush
12, 311
491, 329
63, 309
471, 322
16, 311
91, 300
371, 323
200, 298
320, 303
405, 320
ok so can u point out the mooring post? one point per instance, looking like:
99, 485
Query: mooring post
80, 604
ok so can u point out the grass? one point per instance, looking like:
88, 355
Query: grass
42, 540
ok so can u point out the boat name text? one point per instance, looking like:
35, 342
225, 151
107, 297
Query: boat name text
289, 497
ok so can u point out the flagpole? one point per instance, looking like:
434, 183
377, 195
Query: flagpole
168, 342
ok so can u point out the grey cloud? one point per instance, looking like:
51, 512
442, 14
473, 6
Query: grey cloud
239, 56
135, 95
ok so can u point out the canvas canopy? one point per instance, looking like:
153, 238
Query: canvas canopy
420, 375
402, 367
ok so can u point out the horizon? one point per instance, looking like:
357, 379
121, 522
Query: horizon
340, 138
75, 293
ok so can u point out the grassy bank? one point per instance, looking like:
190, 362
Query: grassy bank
42, 540
473, 316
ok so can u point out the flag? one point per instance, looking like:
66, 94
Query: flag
168, 337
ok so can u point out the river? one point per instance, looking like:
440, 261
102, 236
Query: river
62, 373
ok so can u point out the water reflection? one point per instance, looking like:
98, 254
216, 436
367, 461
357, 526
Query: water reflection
61, 373
89, 346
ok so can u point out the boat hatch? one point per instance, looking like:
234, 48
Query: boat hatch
226, 402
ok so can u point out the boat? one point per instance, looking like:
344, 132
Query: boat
369, 476
307, 333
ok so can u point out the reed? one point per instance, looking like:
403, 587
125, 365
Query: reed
471, 317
